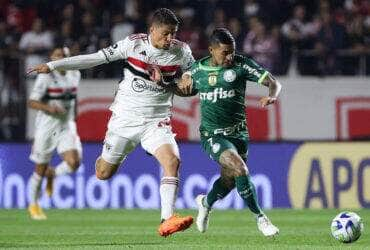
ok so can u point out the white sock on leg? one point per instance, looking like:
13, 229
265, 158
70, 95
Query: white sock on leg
62, 169
36, 180
168, 193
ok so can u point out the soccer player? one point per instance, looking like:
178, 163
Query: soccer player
54, 96
220, 79
141, 108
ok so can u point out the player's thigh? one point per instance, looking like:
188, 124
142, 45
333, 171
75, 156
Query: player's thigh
116, 148
159, 140
157, 134
44, 144
69, 141
216, 145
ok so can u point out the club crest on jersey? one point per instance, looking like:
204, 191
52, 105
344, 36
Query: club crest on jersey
229, 75
212, 79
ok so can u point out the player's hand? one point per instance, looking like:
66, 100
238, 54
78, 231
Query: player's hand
155, 73
41, 68
267, 100
185, 84
56, 110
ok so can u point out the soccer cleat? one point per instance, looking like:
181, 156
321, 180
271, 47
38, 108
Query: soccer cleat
174, 224
36, 212
266, 227
203, 214
49, 186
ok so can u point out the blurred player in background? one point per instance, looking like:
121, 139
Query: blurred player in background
141, 108
220, 79
54, 96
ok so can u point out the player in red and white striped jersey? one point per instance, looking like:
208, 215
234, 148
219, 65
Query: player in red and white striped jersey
54, 96
141, 109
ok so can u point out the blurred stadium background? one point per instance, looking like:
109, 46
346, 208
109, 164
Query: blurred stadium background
310, 150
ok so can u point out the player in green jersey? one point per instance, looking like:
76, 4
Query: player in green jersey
220, 80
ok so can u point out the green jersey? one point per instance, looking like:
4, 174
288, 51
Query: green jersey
222, 95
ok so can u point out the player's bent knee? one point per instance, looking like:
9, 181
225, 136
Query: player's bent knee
74, 164
104, 170
171, 166
239, 170
103, 174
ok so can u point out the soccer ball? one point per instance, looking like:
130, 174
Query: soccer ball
347, 227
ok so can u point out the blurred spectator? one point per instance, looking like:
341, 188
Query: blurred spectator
190, 33
298, 34
35, 43
261, 46
331, 38
65, 36
297, 30
121, 28
219, 21
237, 31
251, 8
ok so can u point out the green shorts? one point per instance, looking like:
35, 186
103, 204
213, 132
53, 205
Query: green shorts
215, 145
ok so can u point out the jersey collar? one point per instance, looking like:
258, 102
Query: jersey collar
203, 66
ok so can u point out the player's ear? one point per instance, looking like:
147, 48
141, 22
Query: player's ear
210, 49
151, 29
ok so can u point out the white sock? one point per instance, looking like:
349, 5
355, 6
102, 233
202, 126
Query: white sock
36, 180
62, 169
168, 192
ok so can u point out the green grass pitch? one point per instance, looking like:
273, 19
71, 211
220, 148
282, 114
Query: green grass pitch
137, 229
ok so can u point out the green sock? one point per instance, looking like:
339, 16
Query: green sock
247, 191
218, 192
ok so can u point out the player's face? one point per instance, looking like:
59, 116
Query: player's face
57, 54
222, 54
162, 34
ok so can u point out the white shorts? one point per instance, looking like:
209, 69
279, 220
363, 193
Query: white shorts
123, 136
46, 141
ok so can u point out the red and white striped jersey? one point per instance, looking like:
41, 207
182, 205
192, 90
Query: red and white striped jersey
136, 92
58, 90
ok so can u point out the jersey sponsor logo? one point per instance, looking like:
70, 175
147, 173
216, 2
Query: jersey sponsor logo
216, 147
218, 93
252, 71
139, 85
229, 75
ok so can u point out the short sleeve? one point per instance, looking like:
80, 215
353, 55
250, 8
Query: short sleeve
188, 59
40, 87
117, 51
253, 71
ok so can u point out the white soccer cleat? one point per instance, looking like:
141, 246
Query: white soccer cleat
266, 227
203, 214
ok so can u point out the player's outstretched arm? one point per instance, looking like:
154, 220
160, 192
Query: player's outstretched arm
184, 86
71, 63
274, 90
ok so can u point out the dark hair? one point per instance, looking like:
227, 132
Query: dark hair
221, 35
165, 16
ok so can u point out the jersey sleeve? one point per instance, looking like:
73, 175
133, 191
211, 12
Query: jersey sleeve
193, 70
40, 87
117, 51
253, 71
188, 59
